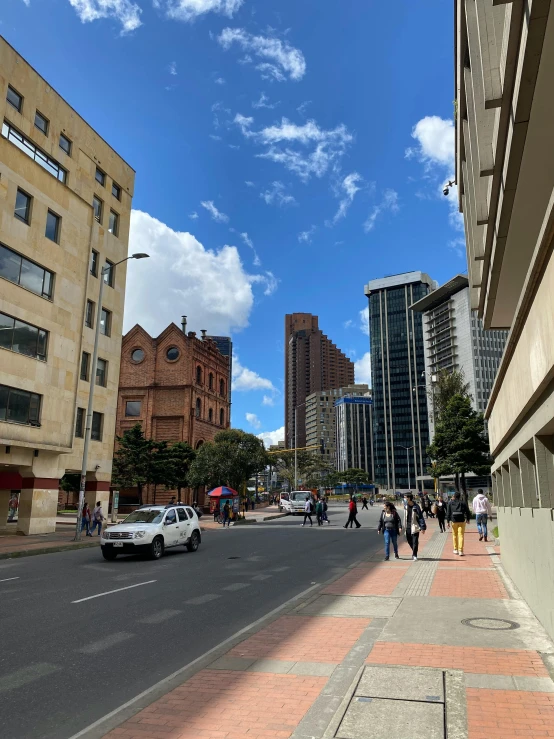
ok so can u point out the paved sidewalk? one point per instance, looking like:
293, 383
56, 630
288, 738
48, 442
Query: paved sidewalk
15, 545
442, 647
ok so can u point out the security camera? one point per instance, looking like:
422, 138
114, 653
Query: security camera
446, 191
446, 188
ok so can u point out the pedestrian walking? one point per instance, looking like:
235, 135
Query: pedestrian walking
391, 526
325, 507
85, 518
414, 523
319, 512
13, 505
482, 509
216, 512
457, 515
426, 505
364, 503
439, 507
173, 500
308, 510
352, 514
97, 518
226, 514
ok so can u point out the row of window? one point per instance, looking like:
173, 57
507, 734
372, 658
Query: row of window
96, 427
173, 354
23, 338
23, 209
101, 378
24, 272
198, 413
105, 318
43, 124
133, 410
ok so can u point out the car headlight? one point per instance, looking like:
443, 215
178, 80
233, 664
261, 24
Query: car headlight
139, 534
105, 535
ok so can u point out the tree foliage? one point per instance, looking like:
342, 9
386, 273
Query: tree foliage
448, 384
181, 457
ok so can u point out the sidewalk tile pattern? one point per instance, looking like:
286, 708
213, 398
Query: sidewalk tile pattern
222, 704
304, 639
509, 714
368, 581
468, 584
520, 662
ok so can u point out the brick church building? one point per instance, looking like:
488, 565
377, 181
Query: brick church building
177, 387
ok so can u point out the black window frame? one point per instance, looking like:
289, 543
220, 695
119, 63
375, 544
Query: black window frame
85, 363
133, 415
221, 417
222, 388
80, 418
116, 191
97, 426
211, 381
93, 266
58, 218
28, 147
42, 117
104, 373
32, 420
69, 144
98, 217
47, 295
198, 408
113, 229
100, 176
28, 208
42, 357
18, 94
109, 275
107, 322
210, 415
89, 314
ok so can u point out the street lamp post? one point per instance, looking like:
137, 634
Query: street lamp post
92, 381
407, 448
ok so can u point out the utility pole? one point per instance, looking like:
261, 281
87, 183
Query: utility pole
407, 448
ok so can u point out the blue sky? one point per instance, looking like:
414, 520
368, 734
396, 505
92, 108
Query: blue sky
287, 151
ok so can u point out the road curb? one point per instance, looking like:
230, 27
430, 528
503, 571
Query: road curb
47, 550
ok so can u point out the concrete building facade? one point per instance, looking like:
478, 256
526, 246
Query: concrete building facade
65, 204
176, 386
312, 363
400, 419
354, 430
505, 176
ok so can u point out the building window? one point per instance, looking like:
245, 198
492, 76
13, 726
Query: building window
199, 375
65, 144
22, 337
94, 263
132, 408
96, 426
19, 406
100, 177
80, 423
211, 416
221, 417
105, 322
222, 388
198, 407
41, 123
101, 373
113, 225
89, 314
211, 381
116, 191
137, 355
109, 273
23, 272
15, 99
172, 354
23, 206
85, 366
53, 223
97, 206
27, 147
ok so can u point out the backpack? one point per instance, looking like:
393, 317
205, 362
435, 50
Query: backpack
311, 506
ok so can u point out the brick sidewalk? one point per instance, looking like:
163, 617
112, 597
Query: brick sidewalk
288, 678
14, 545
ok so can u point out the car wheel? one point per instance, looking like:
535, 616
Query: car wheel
157, 548
109, 554
194, 542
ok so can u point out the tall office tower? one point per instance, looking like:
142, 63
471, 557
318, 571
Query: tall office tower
320, 419
354, 429
400, 423
455, 340
312, 363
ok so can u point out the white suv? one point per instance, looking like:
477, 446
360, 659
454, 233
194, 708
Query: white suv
150, 530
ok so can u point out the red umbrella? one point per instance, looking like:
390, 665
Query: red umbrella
223, 492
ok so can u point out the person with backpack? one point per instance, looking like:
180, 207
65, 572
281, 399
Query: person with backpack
458, 515
439, 509
308, 510
319, 512
482, 509
97, 518
391, 526
414, 523
352, 514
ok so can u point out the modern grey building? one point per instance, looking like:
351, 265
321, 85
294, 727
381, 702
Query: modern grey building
400, 420
354, 434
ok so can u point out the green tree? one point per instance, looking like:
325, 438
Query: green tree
70, 483
232, 458
132, 462
460, 444
284, 464
448, 384
181, 456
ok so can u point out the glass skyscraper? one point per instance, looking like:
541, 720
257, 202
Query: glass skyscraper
400, 420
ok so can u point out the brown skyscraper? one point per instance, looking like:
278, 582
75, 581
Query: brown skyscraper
312, 363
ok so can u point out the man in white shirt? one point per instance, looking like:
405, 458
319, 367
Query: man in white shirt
482, 509
308, 510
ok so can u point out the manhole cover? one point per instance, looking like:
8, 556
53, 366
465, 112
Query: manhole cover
490, 624
233, 557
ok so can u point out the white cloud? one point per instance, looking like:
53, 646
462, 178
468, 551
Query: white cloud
271, 438
193, 215
253, 420
303, 106
277, 195
348, 324
248, 241
348, 188
362, 370
244, 122
306, 236
124, 11
268, 400
249, 183
173, 68
220, 81
216, 214
269, 281
364, 320
27, 2
283, 59
245, 379
214, 137
389, 203
435, 138
188, 279
189, 10
263, 102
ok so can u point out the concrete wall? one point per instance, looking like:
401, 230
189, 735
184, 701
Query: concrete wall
527, 538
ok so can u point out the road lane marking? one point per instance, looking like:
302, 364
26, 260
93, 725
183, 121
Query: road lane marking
117, 590
159, 617
259, 578
236, 586
106, 643
202, 599
25, 675
7, 579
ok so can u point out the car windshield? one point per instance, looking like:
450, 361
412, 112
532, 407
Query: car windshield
298, 497
145, 516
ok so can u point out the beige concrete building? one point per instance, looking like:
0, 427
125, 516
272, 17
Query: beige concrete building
65, 202
505, 177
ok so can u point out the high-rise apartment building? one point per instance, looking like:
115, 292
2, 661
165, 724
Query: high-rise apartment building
65, 204
505, 175
312, 363
320, 419
354, 430
455, 340
400, 422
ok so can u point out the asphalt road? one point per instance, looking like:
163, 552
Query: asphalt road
66, 664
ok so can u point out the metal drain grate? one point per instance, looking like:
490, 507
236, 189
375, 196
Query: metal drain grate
490, 624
